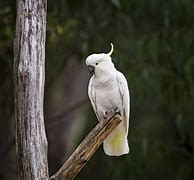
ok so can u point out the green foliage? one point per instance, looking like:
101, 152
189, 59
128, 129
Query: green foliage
154, 44
154, 48
7, 19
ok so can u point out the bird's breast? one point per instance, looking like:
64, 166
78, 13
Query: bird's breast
108, 98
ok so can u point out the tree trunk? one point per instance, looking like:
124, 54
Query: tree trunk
29, 77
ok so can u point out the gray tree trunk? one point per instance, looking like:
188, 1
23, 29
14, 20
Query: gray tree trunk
29, 77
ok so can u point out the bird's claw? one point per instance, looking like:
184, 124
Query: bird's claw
117, 111
105, 114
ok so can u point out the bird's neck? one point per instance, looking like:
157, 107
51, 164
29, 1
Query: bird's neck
104, 77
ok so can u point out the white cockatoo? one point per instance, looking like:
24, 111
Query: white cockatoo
108, 90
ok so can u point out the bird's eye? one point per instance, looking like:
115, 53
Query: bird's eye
96, 63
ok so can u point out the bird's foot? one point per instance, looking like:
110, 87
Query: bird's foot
105, 114
117, 111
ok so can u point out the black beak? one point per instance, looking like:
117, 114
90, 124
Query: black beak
91, 69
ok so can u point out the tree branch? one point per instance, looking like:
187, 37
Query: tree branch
87, 148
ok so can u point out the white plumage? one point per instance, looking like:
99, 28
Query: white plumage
108, 90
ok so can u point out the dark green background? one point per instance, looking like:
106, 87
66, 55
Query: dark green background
154, 48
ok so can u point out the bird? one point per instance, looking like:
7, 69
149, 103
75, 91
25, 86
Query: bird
108, 90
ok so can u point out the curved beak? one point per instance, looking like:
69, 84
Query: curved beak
91, 69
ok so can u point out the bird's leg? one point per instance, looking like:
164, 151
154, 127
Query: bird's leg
117, 111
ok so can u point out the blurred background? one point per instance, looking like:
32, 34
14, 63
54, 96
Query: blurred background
154, 49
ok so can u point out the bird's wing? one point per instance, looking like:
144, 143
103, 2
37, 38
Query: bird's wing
124, 93
92, 96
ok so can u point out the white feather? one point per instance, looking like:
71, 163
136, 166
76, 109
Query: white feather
107, 91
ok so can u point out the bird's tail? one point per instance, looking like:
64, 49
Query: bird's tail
116, 143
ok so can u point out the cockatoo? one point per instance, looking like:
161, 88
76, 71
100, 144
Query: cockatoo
107, 91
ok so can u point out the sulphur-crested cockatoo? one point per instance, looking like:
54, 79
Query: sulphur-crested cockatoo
108, 90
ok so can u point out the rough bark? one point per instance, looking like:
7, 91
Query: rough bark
87, 148
29, 77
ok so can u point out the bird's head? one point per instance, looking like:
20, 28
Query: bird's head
99, 62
